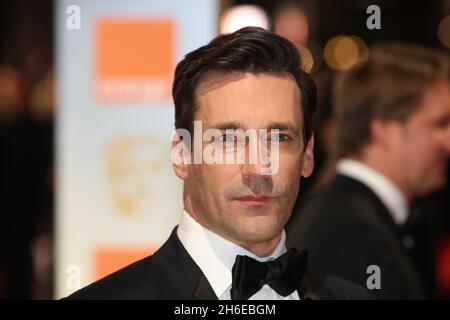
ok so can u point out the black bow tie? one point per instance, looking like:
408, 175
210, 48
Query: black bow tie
283, 274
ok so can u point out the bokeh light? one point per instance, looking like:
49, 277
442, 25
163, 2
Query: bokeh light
343, 52
243, 16
444, 31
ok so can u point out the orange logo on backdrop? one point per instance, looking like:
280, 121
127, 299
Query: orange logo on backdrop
108, 260
135, 60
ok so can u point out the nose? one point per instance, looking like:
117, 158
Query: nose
254, 171
255, 180
256, 162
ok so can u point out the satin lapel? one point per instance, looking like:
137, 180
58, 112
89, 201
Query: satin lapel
203, 291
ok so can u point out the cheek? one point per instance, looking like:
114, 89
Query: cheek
291, 165
426, 141
421, 155
218, 176
426, 148
289, 173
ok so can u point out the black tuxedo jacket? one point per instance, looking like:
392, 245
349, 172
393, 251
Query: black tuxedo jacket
171, 274
346, 228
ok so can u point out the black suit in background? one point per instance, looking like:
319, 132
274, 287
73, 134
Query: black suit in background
346, 228
171, 274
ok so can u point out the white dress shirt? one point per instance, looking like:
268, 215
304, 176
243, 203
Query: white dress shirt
389, 194
215, 256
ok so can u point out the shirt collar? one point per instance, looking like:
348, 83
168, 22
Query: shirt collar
214, 255
385, 189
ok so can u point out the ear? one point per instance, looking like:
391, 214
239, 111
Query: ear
308, 158
377, 130
384, 132
180, 155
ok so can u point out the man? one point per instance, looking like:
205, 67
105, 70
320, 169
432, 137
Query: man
393, 140
234, 214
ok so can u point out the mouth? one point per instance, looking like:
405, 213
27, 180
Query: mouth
252, 200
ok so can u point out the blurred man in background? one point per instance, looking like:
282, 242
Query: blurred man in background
393, 141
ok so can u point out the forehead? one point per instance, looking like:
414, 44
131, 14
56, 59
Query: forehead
254, 100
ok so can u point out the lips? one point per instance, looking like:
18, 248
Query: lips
254, 200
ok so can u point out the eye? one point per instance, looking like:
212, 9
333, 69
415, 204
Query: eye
280, 137
227, 138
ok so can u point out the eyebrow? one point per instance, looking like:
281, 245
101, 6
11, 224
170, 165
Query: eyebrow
281, 126
228, 125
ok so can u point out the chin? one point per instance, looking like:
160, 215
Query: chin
260, 230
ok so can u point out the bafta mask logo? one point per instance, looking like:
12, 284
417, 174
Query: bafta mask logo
133, 165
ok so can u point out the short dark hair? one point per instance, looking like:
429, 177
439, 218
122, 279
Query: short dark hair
389, 85
251, 49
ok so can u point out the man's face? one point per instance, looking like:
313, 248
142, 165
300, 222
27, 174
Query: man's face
423, 144
235, 200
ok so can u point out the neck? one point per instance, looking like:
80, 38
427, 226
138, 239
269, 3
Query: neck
387, 169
